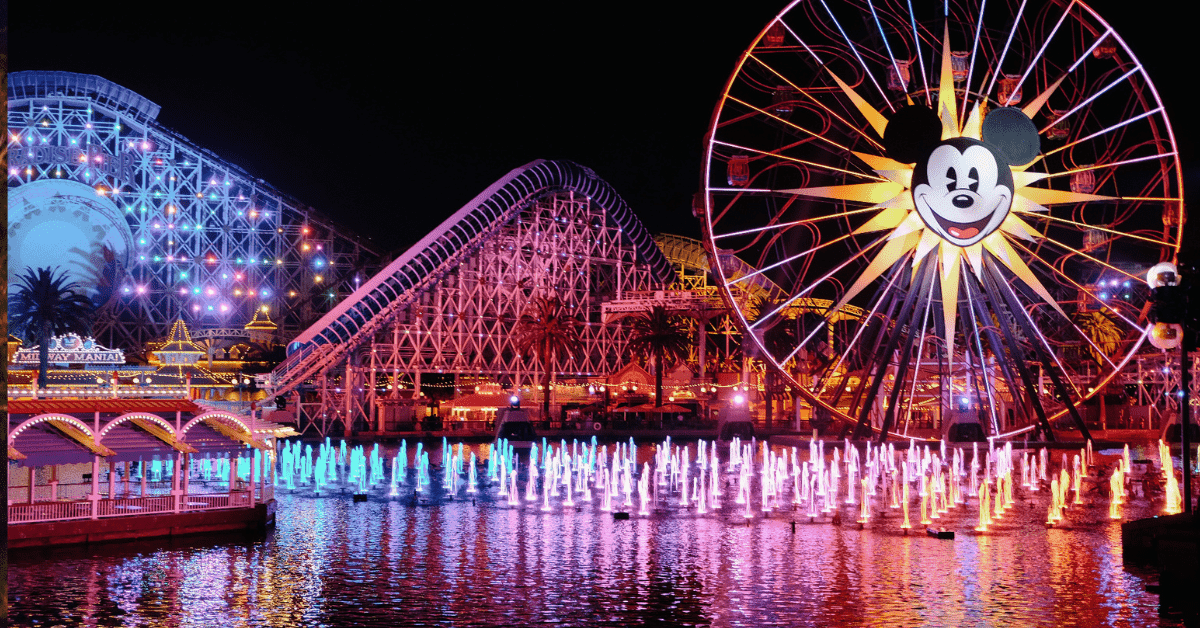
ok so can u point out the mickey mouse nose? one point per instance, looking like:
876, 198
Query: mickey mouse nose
962, 201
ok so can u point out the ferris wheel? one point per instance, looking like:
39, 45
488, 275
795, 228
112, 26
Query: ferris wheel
957, 202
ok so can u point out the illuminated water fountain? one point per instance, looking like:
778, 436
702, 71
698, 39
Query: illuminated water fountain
947, 486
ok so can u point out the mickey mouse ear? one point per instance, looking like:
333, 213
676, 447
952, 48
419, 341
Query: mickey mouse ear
1011, 132
911, 133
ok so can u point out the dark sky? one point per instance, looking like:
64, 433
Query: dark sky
389, 123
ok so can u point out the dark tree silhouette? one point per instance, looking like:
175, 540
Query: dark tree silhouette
547, 330
661, 336
44, 304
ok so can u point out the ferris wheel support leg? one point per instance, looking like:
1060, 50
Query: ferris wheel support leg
997, 347
1028, 328
906, 355
862, 430
990, 286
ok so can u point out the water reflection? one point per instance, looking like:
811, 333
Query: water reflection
335, 562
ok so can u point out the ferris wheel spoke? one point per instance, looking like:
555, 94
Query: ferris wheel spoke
744, 190
971, 64
800, 255
886, 45
801, 41
801, 162
821, 280
1084, 289
794, 223
1093, 97
854, 49
824, 107
1035, 105
1095, 44
1099, 133
1067, 249
1111, 164
1044, 349
788, 123
1049, 38
807, 339
877, 302
1083, 335
999, 65
912, 20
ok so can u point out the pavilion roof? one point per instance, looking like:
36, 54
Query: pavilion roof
37, 439
101, 405
265, 323
178, 341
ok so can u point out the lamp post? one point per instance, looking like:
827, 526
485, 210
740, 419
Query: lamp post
242, 382
1172, 328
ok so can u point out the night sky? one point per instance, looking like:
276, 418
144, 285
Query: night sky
389, 124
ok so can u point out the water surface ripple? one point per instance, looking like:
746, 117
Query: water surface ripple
333, 562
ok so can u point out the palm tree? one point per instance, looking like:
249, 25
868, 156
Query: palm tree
661, 336
1106, 335
547, 330
1102, 329
44, 304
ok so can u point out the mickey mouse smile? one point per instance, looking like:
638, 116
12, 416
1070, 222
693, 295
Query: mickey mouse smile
965, 201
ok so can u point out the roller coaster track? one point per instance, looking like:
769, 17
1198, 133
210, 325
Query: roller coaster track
355, 320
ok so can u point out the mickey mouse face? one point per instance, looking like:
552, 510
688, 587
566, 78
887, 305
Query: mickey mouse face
962, 191
962, 187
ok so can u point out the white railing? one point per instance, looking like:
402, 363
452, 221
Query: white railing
135, 506
215, 501
47, 511
29, 392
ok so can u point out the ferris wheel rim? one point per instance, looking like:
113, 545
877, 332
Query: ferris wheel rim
1171, 247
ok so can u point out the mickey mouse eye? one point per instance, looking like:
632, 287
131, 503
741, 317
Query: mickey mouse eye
973, 177
952, 175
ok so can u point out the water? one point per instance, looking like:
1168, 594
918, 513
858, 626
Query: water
333, 562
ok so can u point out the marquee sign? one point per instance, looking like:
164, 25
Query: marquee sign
72, 349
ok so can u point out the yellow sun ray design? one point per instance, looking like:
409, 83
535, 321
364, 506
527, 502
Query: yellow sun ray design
910, 237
